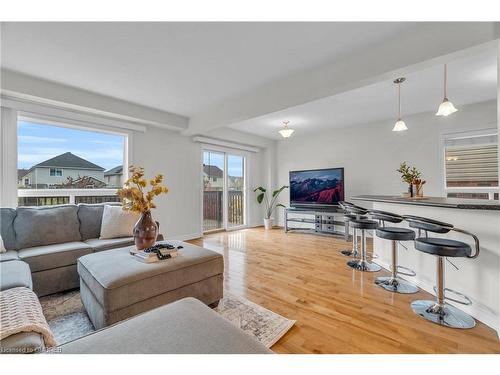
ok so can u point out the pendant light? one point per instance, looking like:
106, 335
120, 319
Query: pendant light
400, 125
446, 107
286, 132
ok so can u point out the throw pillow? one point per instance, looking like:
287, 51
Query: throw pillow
2, 247
117, 222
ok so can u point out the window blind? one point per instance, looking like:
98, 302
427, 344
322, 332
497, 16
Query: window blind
472, 165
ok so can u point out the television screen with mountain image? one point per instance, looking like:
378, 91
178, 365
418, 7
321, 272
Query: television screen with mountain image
317, 187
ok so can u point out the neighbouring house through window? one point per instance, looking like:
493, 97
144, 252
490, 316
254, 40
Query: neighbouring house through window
471, 165
59, 164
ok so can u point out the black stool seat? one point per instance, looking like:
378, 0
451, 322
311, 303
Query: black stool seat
363, 224
395, 233
353, 217
443, 247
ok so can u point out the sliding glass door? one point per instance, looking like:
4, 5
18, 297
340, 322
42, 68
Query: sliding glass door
223, 191
213, 190
235, 191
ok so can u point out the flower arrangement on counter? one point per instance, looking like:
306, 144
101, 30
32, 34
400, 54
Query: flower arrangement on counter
412, 176
133, 196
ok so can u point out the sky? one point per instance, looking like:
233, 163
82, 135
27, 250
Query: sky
234, 162
39, 142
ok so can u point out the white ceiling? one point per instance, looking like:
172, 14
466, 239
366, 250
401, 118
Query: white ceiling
472, 79
183, 68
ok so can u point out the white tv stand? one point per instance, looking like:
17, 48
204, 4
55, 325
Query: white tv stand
317, 220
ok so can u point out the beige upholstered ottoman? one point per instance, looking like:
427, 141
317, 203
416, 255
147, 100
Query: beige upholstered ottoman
115, 286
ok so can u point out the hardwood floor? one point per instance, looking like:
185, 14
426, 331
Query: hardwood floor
338, 310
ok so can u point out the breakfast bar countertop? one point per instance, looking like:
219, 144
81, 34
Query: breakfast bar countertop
458, 203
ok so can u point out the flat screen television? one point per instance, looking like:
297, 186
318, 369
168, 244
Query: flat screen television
317, 187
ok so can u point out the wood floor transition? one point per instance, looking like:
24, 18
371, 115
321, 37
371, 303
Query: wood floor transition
338, 310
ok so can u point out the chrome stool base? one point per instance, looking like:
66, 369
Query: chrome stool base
349, 253
445, 315
364, 266
396, 285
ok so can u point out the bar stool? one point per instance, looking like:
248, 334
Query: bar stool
363, 264
352, 212
439, 311
394, 283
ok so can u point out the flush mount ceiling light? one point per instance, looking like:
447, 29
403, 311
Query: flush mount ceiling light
446, 107
286, 132
400, 125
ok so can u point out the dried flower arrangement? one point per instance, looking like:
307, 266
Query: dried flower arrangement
133, 196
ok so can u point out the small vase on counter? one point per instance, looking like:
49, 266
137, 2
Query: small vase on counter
410, 190
419, 188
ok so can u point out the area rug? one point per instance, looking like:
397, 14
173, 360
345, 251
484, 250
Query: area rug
68, 320
267, 326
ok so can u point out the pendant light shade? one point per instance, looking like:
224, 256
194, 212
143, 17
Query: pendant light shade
286, 132
400, 125
446, 107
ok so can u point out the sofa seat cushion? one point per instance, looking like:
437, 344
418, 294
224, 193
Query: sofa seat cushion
183, 327
42, 258
40, 226
15, 274
111, 243
9, 255
118, 280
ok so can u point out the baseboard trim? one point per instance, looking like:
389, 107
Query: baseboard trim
477, 309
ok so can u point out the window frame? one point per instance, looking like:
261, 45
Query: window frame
86, 126
490, 190
55, 172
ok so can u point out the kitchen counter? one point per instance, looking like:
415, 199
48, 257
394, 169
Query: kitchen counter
468, 204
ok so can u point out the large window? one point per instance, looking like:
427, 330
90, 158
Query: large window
471, 165
55, 163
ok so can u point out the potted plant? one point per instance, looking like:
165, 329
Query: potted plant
270, 205
136, 200
411, 176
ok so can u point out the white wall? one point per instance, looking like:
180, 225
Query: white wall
177, 157
371, 153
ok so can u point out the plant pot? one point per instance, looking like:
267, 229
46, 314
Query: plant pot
145, 231
268, 223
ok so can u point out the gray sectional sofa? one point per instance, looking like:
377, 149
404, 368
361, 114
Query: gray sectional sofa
50, 239
44, 245
184, 326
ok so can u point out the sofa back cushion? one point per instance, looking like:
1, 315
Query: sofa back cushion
7, 216
90, 216
39, 226
117, 223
